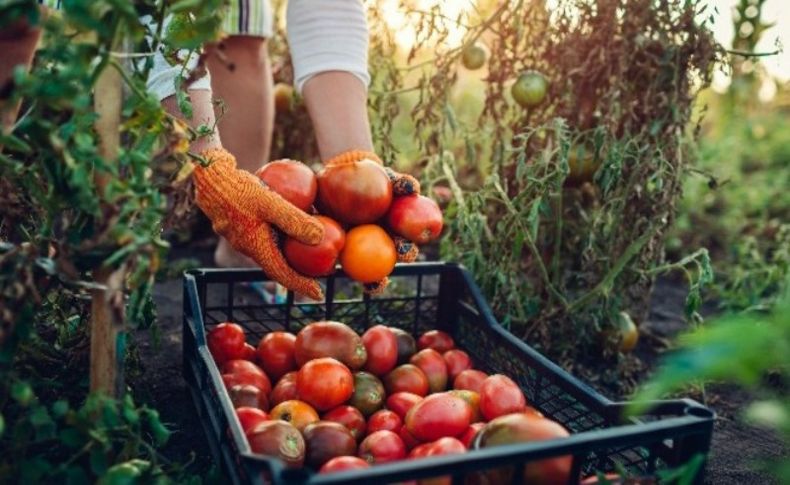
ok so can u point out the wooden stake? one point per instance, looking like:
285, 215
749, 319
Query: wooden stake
107, 306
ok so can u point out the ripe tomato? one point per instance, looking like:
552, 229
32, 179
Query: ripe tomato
457, 361
247, 379
420, 451
474, 56
384, 420
285, 389
382, 447
369, 254
468, 436
250, 417
415, 217
407, 346
293, 180
276, 354
298, 413
256, 375
408, 440
436, 340
432, 364
330, 339
246, 396
368, 394
499, 395
350, 417
406, 378
446, 446
382, 348
249, 352
324, 383
530, 89
326, 440
470, 379
320, 259
610, 479
283, 97
342, 463
278, 439
437, 416
354, 193
401, 402
628, 333
523, 427
472, 399
226, 342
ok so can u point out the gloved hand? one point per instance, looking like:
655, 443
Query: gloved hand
241, 209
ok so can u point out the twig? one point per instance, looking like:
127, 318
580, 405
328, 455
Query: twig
737, 52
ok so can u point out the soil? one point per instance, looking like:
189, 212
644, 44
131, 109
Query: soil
735, 450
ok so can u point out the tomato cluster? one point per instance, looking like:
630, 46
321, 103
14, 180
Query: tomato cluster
356, 202
343, 401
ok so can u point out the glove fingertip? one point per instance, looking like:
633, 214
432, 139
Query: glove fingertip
407, 250
376, 288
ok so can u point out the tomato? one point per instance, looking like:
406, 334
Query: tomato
468, 436
407, 346
350, 417
420, 451
330, 339
628, 333
293, 180
437, 416
285, 389
472, 399
226, 342
530, 89
382, 348
249, 352
368, 394
326, 440
250, 417
416, 218
408, 440
406, 378
369, 254
248, 372
283, 98
298, 413
246, 396
320, 259
523, 427
276, 354
401, 402
583, 162
470, 379
382, 447
457, 361
499, 395
280, 440
343, 463
436, 340
354, 193
442, 446
474, 56
253, 380
324, 383
432, 364
609, 479
384, 420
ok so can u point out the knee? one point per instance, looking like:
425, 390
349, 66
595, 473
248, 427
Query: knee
242, 51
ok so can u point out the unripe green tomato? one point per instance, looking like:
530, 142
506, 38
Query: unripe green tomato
474, 56
530, 89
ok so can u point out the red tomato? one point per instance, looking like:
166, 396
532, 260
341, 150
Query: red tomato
354, 193
446, 446
276, 354
249, 352
611, 478
226, 342
499, 396
256, 375
406, 378
432, 364
415, 217
382, 348
342, 463
384, 420
330, 339
293, 180
457, 361
247, 379
349, 417
472, 399
319, 259
324, 383
325, 440
436, 340
470, 379
408, 440
280, 440
420, 451
382, 447
469, 435
437, 416
401, 402
250, 417
285, 389
245, 396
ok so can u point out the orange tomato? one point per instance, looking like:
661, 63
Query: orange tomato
298, 413
369, 254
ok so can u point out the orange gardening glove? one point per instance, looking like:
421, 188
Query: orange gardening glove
402, 184
241, 209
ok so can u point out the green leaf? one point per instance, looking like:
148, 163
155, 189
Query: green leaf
60, 408
98, 461
22, 393
72, 438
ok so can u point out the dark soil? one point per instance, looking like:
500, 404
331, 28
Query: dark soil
736, 447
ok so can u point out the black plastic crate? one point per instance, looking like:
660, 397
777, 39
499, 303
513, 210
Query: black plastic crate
421, 297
